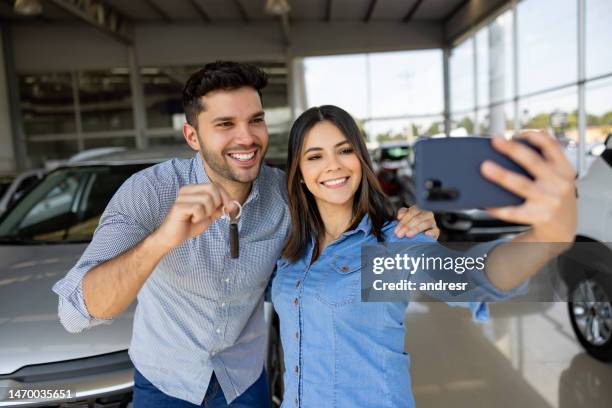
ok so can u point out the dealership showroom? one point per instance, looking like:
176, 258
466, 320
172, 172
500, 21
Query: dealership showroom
93, 93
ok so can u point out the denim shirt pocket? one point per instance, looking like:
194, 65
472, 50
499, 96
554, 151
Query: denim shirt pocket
340, 282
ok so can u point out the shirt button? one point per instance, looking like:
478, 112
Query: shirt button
296, 401
223, 304
218, 331
296, 301
344, 268
296, 369
226, 280
297, 335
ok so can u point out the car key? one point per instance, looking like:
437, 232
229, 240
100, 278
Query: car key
233, 230
233, 233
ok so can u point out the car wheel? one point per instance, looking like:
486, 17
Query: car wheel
590, 311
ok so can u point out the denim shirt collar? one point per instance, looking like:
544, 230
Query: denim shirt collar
365, 226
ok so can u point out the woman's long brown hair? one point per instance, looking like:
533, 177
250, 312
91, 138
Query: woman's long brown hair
306, 222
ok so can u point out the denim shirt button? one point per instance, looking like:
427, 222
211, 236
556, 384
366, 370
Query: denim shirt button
296, 301
296, 369
296, 401
344, 268
297, 335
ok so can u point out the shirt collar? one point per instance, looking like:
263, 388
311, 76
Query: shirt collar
202, 177
365, 226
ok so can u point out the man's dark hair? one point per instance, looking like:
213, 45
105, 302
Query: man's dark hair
219, 75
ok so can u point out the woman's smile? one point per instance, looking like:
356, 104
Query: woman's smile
336, 182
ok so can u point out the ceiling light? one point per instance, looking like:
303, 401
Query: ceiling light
277, 7
27, 7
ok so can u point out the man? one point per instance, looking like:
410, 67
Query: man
199, 330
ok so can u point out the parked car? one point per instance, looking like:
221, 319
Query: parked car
41, 237
587, 267
20, 185
474, 225
392, 163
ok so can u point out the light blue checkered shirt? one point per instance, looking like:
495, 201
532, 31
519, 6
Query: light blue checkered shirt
200, 310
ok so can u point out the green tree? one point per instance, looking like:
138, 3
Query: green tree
466, 123
434, 129
539, 121
606, 118
388, 137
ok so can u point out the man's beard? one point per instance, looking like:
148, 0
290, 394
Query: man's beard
219, 164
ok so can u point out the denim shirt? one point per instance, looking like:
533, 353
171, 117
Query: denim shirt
339, 351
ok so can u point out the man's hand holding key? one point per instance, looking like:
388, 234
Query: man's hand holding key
195, 208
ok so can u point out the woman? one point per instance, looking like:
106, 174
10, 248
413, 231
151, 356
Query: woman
339, 351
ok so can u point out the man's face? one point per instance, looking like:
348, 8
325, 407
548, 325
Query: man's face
232, 134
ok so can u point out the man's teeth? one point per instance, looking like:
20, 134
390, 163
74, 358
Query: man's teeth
242, 156
335, 182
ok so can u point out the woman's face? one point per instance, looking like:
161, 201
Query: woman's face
329, 165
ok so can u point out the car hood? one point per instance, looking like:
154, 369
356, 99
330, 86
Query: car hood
30, 331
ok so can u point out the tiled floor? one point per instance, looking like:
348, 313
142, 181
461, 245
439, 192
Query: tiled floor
525, 356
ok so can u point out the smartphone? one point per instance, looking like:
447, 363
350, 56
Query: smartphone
447, 174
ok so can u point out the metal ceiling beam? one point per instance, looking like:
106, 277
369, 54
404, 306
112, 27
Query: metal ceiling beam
454, 11
412, 11
285, 27
370, 11
200, 9
328, 10
101, 16
243, 14
160, 12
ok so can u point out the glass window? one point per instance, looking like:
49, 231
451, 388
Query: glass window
462, 76
384, 130
556, 112
462, 124
47, 103
105, 100
163, 88
598, 112
501, 69
408, 82
481, 127
482, 59
547, 44
497, 120
40, 151
338, 80
598, 36
92, 143
276, 105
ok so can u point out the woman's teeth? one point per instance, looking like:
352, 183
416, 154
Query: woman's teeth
335, 182
242, 156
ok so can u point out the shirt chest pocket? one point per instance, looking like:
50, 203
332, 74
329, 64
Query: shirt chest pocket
340, 281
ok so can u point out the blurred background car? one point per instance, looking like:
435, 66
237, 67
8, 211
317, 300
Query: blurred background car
41, 237
392, 163
14, 190
587, 267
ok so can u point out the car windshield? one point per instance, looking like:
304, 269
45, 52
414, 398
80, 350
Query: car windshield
65, 206
395, 153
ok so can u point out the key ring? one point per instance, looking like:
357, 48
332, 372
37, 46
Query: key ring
227, 216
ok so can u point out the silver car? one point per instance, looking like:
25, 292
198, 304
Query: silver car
41, 238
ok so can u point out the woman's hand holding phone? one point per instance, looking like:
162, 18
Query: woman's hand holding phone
550, 198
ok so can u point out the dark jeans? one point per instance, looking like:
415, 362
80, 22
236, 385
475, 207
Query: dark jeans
146, 395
